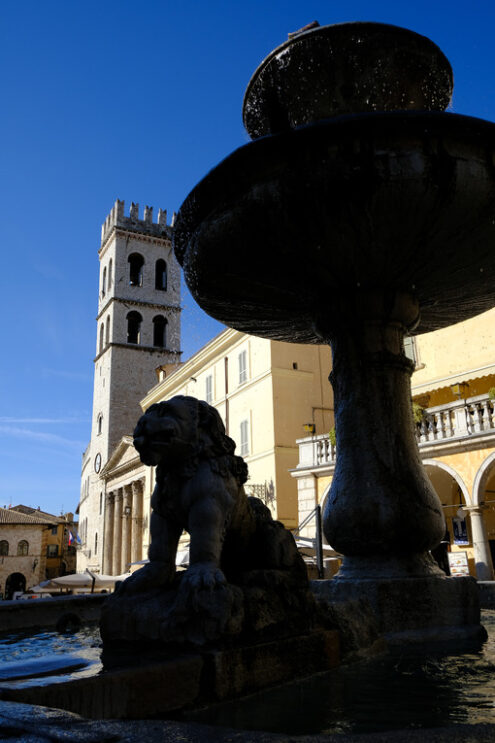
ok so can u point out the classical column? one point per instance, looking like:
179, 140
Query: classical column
126, 528
117, 533
108, 544
137, 521
481, 547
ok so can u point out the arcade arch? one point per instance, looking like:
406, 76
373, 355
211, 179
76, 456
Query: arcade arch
467, 527
484, 498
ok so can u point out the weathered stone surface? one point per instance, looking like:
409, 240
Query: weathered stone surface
232, 672
486, 590
148, 689
409, 72
416, 609
264, 605
355, 621
133, 692
15, 615
35, 724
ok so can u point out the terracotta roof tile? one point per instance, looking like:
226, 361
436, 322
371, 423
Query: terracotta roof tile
9, 516
50, 517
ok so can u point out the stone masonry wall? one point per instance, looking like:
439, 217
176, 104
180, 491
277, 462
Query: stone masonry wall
35, 535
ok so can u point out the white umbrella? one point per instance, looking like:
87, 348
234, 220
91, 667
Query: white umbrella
79, 582
46, 586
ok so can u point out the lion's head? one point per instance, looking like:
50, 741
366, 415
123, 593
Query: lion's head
180, 432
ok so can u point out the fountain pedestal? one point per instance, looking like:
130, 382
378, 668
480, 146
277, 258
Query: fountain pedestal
426, 610
382, 512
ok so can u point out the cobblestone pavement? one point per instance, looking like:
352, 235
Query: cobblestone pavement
27, 723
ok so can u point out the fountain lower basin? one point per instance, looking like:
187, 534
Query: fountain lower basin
406, 691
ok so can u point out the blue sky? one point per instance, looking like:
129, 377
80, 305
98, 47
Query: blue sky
105, 100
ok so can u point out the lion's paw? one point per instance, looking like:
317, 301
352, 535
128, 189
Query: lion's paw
152, 575
203, 575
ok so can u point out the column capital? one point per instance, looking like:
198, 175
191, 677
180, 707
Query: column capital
476, 508
118, 494
110, 497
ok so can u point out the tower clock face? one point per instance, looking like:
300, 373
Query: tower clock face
97, 462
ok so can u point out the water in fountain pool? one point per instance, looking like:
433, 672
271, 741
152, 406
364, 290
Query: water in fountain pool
386, 693
48, 655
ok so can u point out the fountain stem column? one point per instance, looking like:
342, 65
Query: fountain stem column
382, 512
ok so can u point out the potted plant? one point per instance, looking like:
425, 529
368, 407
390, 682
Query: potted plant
418, 412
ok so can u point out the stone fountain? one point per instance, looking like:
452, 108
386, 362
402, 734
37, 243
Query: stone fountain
360, 212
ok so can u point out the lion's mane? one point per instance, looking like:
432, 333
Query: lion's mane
209, 442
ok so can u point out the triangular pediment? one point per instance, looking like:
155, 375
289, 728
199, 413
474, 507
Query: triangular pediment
123, 457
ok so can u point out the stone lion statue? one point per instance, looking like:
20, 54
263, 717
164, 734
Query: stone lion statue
199, 488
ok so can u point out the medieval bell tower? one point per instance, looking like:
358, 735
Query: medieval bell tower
138, 330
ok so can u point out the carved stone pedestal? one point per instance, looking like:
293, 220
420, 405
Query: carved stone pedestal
417, 610
266, 605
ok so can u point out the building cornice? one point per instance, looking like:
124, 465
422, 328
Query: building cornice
456, 445
165, 240
223, 342
159, 392
132, 347
461, 376
138, 303
121, 469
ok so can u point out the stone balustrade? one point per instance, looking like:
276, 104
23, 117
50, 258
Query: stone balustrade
470, 417
461, 419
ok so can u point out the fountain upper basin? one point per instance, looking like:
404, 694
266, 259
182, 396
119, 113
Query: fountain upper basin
345, 68
301, 223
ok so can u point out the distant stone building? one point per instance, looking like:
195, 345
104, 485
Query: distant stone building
138, 330
34, 546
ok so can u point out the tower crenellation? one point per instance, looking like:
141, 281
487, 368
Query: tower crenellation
117, 218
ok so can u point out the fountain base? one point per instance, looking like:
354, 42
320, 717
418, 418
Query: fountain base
151, 688
413, 610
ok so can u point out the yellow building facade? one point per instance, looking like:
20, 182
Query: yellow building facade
266, 393
452, 388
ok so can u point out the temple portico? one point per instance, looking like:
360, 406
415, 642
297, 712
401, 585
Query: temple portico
124, 527
128, 487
